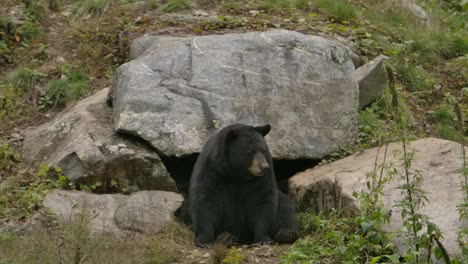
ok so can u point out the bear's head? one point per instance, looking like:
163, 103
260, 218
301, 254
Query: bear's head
247, 152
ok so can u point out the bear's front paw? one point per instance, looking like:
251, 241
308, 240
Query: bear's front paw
263, 241
227, 239
287, 236
203, 243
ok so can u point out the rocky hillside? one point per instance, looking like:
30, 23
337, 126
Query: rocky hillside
105, 105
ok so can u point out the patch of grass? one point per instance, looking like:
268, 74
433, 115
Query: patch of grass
302, 4
446, 132
70, 87
445, 123
35, 10
414, 77
25, 79
458, 68
175, 6
231, 6
435, 45
54, 5
14, 35
275, 4
234, 256
391, 18
13, 109
23, 193
371, 126
10, 161
29, 31
71, 241
90, 7
339, 10
338, 239
220, 252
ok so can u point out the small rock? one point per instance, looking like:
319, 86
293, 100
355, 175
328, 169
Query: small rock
254, 12
113, 149
60, 59
126, 151
121, 145
200, 13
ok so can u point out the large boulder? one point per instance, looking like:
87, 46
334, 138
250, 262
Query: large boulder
147, 211
82, 142
182, 89
116, 214
332, 185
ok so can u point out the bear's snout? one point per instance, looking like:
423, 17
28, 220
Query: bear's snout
259, 166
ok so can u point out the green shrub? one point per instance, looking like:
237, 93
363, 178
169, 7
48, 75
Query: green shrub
339, 239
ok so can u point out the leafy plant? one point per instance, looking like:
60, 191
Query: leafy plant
10, 161
420, 232
338, 238
234, 256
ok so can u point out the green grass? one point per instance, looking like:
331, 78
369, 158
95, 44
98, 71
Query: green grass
414, 77
54, 5
338, 10
275, 4
302, 4
25, 80
70, 87
14, 36
434, 45
175, 6
72, 242
36, 10
338, 239
90, 7
445, 123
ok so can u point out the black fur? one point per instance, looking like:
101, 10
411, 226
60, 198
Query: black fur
226, 197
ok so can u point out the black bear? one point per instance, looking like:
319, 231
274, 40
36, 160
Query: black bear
233, 191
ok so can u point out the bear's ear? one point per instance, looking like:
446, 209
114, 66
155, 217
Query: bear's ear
231, 135
263, 129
